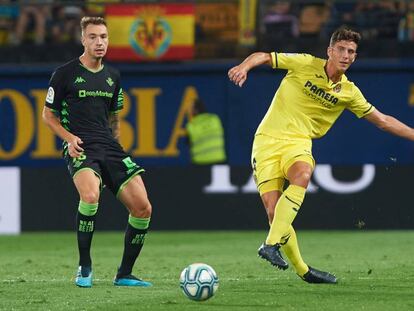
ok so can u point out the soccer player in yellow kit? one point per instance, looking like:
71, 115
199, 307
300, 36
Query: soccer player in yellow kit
310, 98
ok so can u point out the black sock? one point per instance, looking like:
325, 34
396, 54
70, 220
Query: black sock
134, 240
85, 228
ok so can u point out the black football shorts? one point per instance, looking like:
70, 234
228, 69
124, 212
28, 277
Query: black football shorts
109, 162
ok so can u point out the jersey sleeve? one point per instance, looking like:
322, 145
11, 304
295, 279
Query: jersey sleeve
118, 98
359, 105
56, 91
290, 61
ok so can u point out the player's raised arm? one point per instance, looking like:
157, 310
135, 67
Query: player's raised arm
390, 124
238, 74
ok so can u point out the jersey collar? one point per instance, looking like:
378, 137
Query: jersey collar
92, 70
343, 77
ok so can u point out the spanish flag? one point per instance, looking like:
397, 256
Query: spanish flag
150, 32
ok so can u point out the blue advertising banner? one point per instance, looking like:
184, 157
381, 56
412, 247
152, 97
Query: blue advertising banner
157, 102
156, 108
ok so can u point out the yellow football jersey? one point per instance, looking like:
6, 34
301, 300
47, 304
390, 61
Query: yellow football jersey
307, 103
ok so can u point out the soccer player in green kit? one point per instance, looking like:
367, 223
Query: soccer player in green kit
82, 105
310, 98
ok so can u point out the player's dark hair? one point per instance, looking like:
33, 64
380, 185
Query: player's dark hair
198, 106
345, 34
94, 20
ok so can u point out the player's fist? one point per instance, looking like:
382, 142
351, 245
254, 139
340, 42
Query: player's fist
238, 75
74, 148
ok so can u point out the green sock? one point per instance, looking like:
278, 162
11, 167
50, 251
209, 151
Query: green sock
134, 241
85, 223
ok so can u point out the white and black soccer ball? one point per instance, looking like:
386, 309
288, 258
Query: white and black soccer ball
199, 281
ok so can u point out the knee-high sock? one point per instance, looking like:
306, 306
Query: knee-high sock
133, 243
291, 249
285, 212
85, 222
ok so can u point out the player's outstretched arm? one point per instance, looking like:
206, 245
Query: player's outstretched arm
390, 124
238, 74
73, 141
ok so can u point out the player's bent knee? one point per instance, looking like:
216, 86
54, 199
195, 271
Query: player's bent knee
142, 210
305, 176
147, 209
90, 197
301, 178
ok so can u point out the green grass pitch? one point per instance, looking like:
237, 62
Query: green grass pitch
375, 270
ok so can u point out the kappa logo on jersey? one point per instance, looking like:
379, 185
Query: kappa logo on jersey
50, 97
79, 80
109, 81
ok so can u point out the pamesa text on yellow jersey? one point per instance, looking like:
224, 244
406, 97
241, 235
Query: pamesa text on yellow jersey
307, 102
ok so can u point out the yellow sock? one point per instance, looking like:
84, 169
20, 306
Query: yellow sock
285, 212
291, 249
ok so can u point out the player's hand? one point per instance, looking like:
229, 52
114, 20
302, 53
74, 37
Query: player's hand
74, 148
238, 75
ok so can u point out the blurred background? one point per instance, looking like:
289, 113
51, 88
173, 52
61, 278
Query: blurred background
172, 52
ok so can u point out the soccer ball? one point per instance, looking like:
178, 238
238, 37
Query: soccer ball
199, 281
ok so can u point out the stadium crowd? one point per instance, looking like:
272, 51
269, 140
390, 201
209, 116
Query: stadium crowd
48, 30
387, 26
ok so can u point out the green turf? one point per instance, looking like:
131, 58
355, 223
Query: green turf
375, 269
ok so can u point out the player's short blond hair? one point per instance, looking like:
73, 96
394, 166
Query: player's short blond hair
87, 20
345, 34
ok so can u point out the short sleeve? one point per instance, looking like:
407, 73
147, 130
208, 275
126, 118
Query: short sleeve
290, 61
56, 91
118, 98
359, 105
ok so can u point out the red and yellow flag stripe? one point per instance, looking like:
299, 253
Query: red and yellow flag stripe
150, 32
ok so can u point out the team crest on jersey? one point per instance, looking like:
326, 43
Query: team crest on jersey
50, 95
337, 88
150, 34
